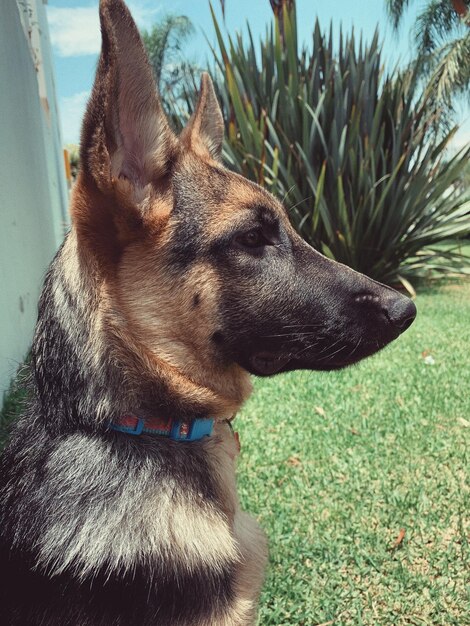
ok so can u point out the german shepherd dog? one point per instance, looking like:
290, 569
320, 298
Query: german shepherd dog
178, 279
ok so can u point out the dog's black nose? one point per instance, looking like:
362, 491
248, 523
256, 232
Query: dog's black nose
401, 312
397, 310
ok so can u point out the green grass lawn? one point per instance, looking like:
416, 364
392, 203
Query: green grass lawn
336, 465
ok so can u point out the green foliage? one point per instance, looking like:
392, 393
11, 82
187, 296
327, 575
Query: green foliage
351, 149
451, 70
73, 151
13, 402
164, 44
442, 36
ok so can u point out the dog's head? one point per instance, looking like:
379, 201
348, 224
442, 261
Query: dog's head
201, 264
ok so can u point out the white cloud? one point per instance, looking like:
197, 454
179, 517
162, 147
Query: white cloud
75, 31
144, 12
72, 109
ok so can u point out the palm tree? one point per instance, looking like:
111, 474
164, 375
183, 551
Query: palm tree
164, 43
442, 32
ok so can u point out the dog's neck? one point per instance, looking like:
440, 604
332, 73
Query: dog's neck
100, 371
152, 317
181, 377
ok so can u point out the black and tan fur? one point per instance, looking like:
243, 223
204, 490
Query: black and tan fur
177, 280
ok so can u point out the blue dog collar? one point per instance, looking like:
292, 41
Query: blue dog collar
177, 430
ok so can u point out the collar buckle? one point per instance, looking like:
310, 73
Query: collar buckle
192, 431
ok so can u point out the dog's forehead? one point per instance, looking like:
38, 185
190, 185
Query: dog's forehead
221, 195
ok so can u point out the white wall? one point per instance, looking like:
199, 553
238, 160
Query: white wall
33, 192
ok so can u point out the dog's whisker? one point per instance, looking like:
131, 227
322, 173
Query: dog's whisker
305, 348
331, 355
355, 348
329, 346
302, 326
295, 335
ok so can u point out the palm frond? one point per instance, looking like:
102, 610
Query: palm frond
165, 40
396, 10
435, 24
452, 70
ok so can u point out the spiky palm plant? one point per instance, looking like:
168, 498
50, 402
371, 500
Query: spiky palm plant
350, 149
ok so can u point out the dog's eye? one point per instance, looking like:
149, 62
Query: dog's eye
251, 239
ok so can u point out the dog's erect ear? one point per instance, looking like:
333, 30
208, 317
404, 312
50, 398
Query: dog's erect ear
125, 132
205, 130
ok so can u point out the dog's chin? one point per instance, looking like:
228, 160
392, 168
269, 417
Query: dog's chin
265, 364
269, 363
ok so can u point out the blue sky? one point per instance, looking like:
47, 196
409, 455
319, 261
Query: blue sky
75, 36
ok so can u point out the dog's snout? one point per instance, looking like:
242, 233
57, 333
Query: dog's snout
397, 309
401, 311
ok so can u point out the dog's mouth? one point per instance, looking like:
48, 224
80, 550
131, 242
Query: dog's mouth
268, 363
